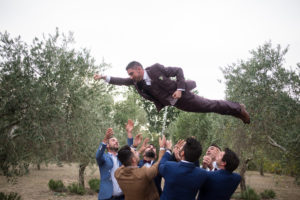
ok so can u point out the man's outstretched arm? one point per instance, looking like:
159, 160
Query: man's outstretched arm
114, 80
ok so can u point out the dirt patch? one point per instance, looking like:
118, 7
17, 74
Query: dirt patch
34, 186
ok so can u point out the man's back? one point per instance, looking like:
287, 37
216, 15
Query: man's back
137, 183
220, 185
182, 180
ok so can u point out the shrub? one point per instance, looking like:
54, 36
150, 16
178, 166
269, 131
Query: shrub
94, 184
249, 194
10, 196
56, 186
75, 188
268, 194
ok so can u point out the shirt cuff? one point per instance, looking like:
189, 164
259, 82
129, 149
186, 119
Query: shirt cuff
180, 89
107, 79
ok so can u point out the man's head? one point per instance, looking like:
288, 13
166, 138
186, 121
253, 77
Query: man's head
192, 150
227, 160
150, 152
135, 71
128, 156
212, 151
113, 144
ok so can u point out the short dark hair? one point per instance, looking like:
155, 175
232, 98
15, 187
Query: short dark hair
125, 155
215, 145
231, 159
192, 149
133, 64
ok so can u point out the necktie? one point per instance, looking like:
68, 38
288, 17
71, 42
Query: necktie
147, 161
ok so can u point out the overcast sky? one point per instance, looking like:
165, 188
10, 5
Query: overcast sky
199, 36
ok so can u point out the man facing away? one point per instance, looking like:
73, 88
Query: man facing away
155, 84
221, 184
183, 179
137, 183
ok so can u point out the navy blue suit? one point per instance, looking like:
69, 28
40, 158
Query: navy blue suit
220, 185
157, 179
182, 179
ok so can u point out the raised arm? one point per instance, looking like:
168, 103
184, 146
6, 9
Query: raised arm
129, 127
153, 170
100, 156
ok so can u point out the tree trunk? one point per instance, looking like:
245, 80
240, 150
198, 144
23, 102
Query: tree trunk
38, 166
242, 173
261, 167
82, 167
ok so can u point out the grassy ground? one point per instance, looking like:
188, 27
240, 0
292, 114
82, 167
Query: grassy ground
34, 185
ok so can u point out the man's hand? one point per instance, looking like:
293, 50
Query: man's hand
109, 133
177, 148
169, 145
129, 127
162, 142
177, 94
207, 162
144, 146
99, 76
137, 140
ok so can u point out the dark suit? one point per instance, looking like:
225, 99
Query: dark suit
182, 180
162, 87
220, 185
157, 179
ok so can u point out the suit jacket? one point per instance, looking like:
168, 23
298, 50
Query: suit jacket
161, 84
157, 179
137, 183
105, 164
220, 185
182, 180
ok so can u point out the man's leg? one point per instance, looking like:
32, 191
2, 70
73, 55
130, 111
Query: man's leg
196, 103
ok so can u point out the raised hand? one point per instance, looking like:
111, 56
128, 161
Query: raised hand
129, 127
169, 144
207, 162
144, 145
162, 142
109, 133
177, 148
99, 76
137, 140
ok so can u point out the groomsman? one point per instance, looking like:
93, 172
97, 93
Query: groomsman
137, 183
182, 179
221, 184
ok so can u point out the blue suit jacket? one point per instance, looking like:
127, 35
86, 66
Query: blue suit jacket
220, 185
182, 180
105, 164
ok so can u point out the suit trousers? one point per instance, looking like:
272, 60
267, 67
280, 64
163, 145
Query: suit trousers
194, 103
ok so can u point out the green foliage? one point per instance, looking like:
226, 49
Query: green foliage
56, 185
191, 124
275, 167
249, 194
75, 188
10, 196
50, 107
271, 95
268, 194
94, 184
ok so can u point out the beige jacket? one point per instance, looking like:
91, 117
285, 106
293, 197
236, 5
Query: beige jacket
137, 183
